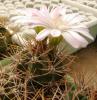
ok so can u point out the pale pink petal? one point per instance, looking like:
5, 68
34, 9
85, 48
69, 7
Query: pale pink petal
36, 20
16, 38
78, 19
84, 32
28, 34
18, 17
26, 20
42, 35
45, 14
23, 21
83, 42
35, 12
55, 12
71, 40
78, 26
28, 11
69, 17
40, 20
63, 11
25, 11
44, 11
40, 15
55, 33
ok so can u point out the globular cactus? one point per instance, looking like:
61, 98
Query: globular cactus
43, 63
9, 84
4, 38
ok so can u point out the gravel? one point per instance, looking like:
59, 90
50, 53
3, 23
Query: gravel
8, 8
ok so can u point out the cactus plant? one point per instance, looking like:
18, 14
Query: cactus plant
44, 63
4, 38
40, 63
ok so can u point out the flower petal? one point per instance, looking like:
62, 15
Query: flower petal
83, 42
63, 11
39, 22
78, 26
71, 40
28, 34
19, 40
42, 35
55, 12
55, 33
23, 21
69, 17
78, 19
84, 32
44, 11
18, 17
28, 11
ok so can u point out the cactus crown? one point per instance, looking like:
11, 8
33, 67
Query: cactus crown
45, 64
4, 38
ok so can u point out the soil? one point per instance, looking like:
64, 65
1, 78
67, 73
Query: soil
87, 62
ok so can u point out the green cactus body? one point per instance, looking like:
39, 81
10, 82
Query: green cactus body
3, 44
45, 65
4, 39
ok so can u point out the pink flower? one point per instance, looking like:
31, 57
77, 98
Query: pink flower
57, 23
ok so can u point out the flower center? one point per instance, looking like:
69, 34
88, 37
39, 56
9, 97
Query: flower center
63, 27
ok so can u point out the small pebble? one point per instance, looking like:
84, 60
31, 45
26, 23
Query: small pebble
46, 2
92, 17
81, 12
37, 6
69, 11
38, 1
90, 3
74, 9
20, 6
14, 27
25, 1
8, 8
29, 4
55, 1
